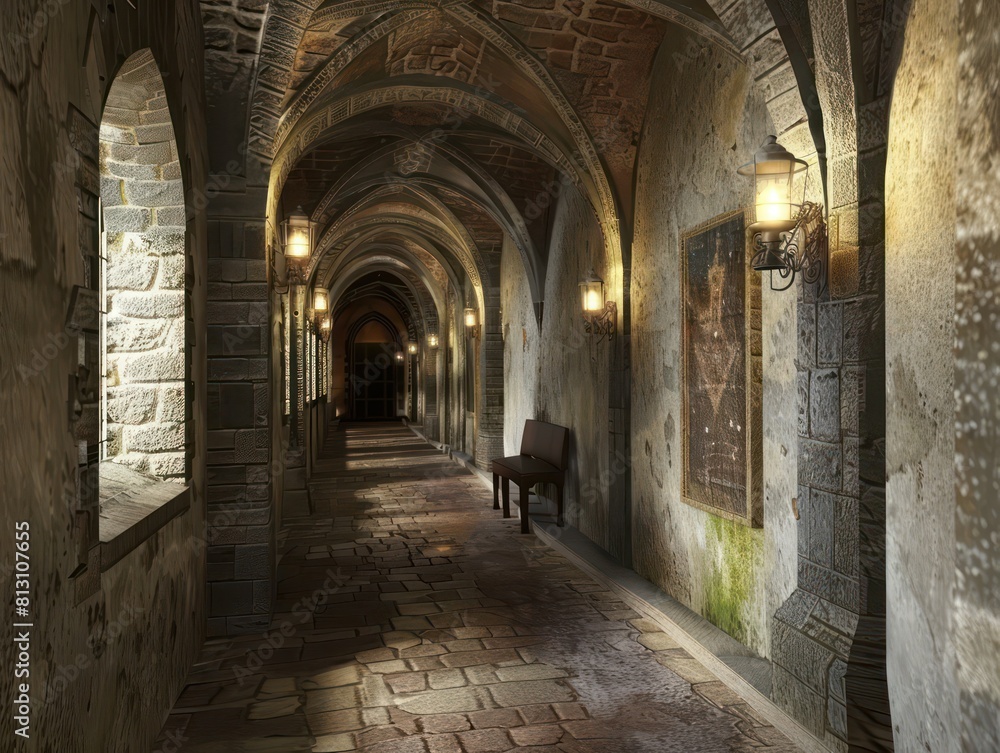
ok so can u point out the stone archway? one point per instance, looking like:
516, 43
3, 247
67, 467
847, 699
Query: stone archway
145, 359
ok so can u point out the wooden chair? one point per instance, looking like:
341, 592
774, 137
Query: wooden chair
543, 460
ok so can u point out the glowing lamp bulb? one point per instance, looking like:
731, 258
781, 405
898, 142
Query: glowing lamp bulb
592, 289
298, 244
297, 232
773, 204
593, 301
321, 300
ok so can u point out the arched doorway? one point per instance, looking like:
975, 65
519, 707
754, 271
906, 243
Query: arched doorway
375, 371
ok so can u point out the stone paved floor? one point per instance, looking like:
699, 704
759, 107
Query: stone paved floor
414, 619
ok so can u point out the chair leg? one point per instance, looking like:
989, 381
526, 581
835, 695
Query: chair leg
560, 520
525, 524
496, 491
506, 497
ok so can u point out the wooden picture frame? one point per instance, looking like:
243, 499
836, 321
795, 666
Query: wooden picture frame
721, 381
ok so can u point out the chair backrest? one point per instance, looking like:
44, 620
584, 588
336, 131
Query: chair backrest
546, 442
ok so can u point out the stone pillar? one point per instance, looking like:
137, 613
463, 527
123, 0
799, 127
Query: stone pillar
296, 487
240, 513
828, 639
489, 436
432, 377
83, 322
241, 552
297, 384
977, 378
619, 428
920, 381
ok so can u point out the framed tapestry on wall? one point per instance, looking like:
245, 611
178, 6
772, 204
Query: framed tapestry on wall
722, 390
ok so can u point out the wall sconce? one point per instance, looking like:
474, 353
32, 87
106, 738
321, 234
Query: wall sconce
297, 232
399, 356
320, 307
321, 300
412, 348
600, 315
472, 322
325, 328
432, 341
788, 238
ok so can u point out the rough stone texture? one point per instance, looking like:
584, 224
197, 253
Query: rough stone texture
977, 376
733, 575
411, 617
558, 373
111, 648
522, 348
842, 467
144, 238
920, 337
246, 403
245, 441
479, 150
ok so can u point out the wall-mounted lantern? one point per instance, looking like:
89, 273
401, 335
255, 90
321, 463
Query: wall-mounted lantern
412, 348
321, 300
325, 328
297, 238
399, 356
297, 242
297, 234
789, 233
320, 307
600, 314
432, 341
472, 322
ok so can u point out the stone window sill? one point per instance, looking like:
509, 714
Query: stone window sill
133, 508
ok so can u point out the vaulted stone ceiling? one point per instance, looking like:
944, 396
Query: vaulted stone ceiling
486, 109
483, 109
398, 287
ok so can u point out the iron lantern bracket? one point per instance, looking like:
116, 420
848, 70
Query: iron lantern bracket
603, 324
803, 250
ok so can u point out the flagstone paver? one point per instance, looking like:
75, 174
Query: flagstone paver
411, 618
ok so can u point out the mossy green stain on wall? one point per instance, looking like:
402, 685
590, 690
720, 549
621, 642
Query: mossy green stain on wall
734, 551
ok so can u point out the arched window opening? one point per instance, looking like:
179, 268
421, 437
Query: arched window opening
143, 277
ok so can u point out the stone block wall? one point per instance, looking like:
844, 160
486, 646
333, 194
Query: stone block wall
142, 195
734, 575
829, 648
113, 643
240, 512
920, 382
977, 379
521, 346
554, 371
489, 439
431, 378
